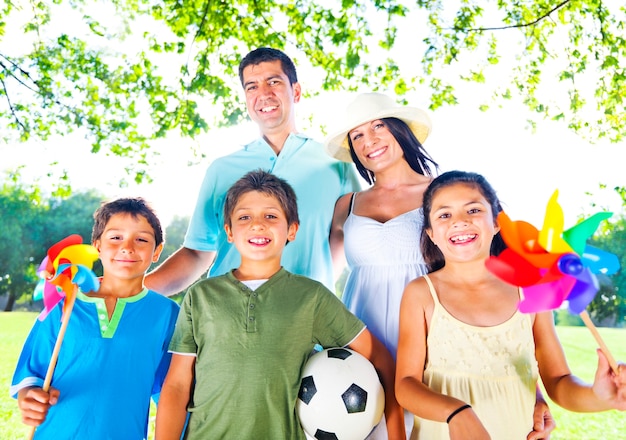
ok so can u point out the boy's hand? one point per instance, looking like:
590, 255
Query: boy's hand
34, 403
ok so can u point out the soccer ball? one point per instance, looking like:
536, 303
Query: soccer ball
340, 396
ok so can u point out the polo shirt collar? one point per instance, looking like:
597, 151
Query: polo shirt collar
293, 142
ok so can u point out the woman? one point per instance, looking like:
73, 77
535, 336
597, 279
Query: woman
381, 225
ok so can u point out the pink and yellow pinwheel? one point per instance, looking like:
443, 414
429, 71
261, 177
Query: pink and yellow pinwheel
553, 265
66, 266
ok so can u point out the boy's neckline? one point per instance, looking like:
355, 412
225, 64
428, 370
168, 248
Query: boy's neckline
253, 277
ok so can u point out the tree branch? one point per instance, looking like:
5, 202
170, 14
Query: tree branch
22, 71
6, 93
36, 90
513, 26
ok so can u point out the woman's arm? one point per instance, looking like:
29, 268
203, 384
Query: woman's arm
543, 422
342, 209
367, 345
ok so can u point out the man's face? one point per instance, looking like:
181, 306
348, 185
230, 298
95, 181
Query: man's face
270, 97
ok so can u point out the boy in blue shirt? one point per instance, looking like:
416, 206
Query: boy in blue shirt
114, 354
242, 338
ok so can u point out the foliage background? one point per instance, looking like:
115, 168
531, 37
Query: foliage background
129, 72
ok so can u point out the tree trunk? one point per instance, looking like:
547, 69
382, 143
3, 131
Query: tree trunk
10, 302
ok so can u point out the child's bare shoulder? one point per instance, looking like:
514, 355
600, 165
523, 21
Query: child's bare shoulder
418, 291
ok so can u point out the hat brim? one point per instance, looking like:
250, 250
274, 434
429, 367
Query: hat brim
418, 121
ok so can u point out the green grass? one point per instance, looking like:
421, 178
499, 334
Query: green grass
578, 343
580, 346
14, 327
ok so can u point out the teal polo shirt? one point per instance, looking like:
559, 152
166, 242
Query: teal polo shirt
318, 181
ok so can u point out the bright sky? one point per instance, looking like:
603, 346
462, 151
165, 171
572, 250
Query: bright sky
525, 168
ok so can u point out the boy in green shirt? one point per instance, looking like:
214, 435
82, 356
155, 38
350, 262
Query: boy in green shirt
242, 338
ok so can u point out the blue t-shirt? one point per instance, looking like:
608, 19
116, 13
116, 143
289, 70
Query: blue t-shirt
107, 370
318, 180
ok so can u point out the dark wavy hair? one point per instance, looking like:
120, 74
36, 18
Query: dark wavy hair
414, 153
267, 55
135, 206
432, 255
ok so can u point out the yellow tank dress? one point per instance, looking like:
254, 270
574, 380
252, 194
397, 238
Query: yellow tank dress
492, 368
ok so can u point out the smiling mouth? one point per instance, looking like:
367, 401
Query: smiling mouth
463, 238
376, 153
259, 240
268, 109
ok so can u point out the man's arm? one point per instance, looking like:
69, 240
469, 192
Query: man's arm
179, 271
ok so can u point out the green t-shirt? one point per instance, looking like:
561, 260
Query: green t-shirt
251, 347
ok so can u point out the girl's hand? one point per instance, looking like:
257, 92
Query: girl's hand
34, 403
608, 386
467, 426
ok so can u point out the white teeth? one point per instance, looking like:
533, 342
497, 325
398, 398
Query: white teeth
465, 237
376, 153
259, 240
268, 109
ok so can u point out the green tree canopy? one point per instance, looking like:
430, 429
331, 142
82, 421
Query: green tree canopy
126, 72
609, 304
20, 206
30, 224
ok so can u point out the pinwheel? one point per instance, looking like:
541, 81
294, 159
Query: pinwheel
553, 265
65, 269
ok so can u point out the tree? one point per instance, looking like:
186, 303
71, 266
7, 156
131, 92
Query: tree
20, 207
174, 235
174, 238
610, 301
176, 60
29, 225
72, 215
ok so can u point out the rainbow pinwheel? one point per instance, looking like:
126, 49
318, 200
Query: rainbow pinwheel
552, 265
67, 264
65, 269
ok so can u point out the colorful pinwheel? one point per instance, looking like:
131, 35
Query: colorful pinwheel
67, 266
65, 269
553, 265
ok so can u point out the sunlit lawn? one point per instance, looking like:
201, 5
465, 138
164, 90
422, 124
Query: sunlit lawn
578, 343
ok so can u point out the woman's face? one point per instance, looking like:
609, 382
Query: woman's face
375, 146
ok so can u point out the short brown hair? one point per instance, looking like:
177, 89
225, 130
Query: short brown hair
266, 183
135, 206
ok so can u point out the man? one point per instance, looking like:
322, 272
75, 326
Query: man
271, 87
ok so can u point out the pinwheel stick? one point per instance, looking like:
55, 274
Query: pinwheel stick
57, 346
594, 331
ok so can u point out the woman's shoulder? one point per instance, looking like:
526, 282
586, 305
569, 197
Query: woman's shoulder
342, 208
345, 199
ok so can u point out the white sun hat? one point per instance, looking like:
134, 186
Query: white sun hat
369, 107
